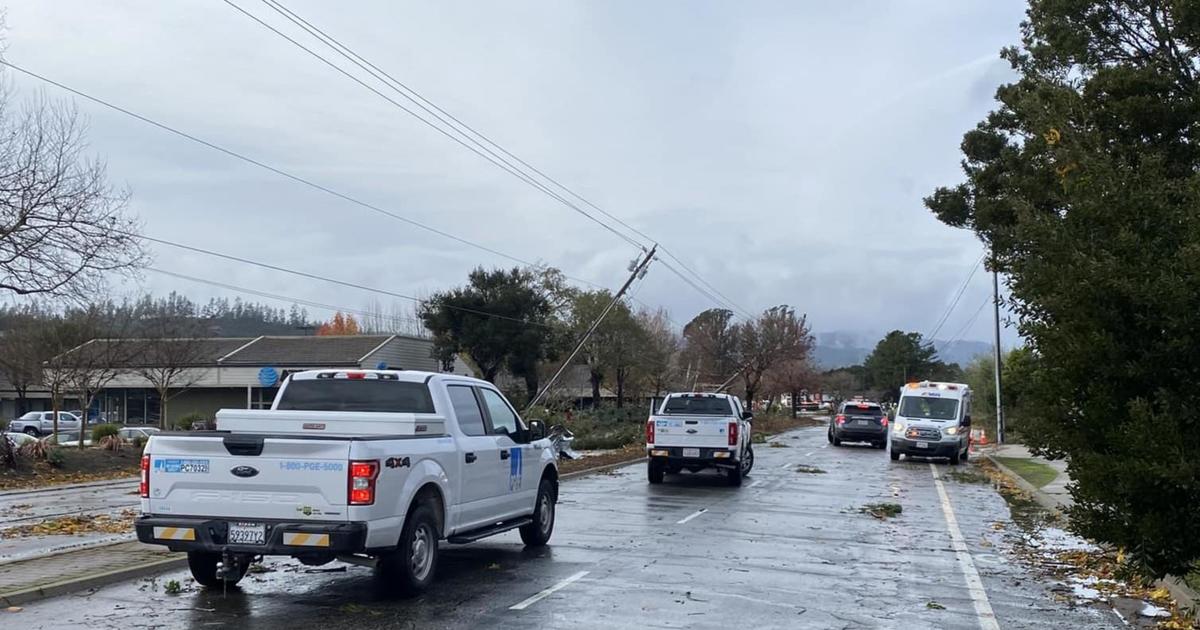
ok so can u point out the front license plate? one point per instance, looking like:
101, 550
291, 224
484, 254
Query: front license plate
922, 444
691, 452
247, 534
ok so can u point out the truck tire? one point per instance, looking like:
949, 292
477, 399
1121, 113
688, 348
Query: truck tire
748, 461
537, 533
409, 569
654, 471
734, 475
31, 431
203, 565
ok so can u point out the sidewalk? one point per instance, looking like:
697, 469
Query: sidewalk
27, 580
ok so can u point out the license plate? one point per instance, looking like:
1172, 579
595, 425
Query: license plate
861, 423
247, 534
691, 452
922, 444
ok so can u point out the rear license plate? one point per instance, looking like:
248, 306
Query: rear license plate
247, 534
922, 444
691, 452
862, 423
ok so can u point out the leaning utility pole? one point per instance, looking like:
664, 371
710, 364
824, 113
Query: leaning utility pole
996, 313
638, 270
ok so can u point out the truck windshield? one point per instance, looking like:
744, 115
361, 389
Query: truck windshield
329, 394
930, 408
697, 406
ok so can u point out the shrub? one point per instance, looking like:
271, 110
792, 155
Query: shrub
139, 444
54, 457
101, 431
36, 450
8, 452
112, 443
185, 423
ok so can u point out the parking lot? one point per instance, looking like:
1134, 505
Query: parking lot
792, 548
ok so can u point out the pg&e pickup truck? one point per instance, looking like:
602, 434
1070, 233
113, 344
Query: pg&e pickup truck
370, 467
695, 431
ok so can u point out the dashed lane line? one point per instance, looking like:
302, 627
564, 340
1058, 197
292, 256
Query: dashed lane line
548, 592
691, 516
979, 598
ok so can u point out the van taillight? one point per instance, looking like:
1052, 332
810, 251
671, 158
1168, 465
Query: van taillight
144, 486
733, 433
362, 482
650, 431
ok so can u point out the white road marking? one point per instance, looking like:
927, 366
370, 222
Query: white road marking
809, 454
691, 516
824, 445
983, 608
548, 592
787, 465
756, 483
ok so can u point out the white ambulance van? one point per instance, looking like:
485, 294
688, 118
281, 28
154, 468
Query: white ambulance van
932, 420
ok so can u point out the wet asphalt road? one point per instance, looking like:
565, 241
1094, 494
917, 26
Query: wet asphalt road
789, 549
24, 507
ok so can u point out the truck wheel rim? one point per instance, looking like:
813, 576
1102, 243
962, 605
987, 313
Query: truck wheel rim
422, 552
545, 514
748, 462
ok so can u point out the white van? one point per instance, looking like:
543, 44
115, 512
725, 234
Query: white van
932, 420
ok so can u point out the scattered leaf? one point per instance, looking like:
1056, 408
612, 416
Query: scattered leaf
172, 587
934, 606
882, 510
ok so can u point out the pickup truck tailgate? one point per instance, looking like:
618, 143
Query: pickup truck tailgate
705, 431
248, 477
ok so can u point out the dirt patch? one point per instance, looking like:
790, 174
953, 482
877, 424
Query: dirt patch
623, 454
968, 475
779, 445
805, 468
882, 510
78, 466
120, 523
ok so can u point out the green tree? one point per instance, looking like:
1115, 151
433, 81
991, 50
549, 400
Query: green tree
1085, 183
659, 360
898, 358
710, 346
614, 347
500, 318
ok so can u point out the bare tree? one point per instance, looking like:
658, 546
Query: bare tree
660, 353
58, 336
710, 346
88, 368
790, 376
777, 335
171, 351
63, 227
22, 351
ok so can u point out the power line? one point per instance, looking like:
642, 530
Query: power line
970, 322
459, 127
495, 160
950, 309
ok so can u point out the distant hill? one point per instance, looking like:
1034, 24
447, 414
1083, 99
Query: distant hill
843, 348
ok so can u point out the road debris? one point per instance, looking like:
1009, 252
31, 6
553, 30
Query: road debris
805, 468
934, 606
882, 510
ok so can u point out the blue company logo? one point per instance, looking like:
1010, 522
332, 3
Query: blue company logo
382, 365
268, 377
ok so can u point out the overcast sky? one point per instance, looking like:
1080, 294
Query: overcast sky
780, 148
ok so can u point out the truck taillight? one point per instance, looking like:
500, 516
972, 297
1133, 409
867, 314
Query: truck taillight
144, 486
650, 431
733, 433
362, 482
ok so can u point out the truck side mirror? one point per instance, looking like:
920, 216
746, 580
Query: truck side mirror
537, 430
747, 416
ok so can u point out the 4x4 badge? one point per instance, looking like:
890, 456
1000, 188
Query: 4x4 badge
397, 462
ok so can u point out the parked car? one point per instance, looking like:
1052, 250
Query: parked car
694, 431
862, 421
365, 466
39, 423
129, 434
65, 438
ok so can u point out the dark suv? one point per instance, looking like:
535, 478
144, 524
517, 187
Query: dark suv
859, 422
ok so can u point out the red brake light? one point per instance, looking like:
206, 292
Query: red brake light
362, 482
863, 406
650, 431
883, 421
840, 419
144, 486
356, 375
733, 433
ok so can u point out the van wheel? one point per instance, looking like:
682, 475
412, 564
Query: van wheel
955, 458
966, 454
895, 455
411, 567
654, 471
203, 565
734, 475
537, 533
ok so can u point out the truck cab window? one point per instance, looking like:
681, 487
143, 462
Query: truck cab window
466, 409
502, 415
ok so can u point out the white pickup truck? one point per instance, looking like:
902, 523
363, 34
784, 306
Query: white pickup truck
371, 467
694, 431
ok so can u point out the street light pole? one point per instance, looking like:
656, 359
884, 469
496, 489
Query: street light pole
997, 366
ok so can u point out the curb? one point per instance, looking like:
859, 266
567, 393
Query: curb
95, 580
1184, 596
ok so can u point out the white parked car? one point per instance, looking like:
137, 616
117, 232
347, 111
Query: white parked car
65, 438
694, 431
19, 439
129, 434
369, 467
